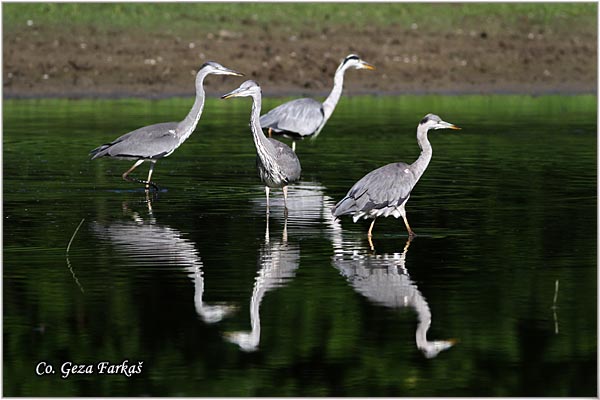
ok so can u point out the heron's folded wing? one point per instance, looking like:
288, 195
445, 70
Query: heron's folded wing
146, 142
388, 186
303, 116
288, 159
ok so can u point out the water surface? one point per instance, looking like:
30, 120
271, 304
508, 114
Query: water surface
495, 297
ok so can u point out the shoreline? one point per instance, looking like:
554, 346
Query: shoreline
76, 62
290, 93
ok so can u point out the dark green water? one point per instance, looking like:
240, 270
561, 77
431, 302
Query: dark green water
216, 299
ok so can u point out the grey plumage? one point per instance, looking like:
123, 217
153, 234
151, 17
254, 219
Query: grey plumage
297, 118
153, 142
377, 193
149, 142
277, 164
284, 170
301, 118
386, 190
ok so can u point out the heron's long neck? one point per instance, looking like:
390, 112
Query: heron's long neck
263, 146
424, 317
422, 162
188, 125
257, 295
333, 98
198, 290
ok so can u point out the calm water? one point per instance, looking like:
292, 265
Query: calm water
215, 298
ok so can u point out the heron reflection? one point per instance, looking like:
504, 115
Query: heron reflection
278, 262
384, 280
309, 209
145, 242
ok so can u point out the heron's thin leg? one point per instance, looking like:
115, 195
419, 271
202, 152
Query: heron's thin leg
126, 173
371, 243
411, 234
285, 197
267, 193
149, 182
149, 202
294, 146
270, 132
369, 234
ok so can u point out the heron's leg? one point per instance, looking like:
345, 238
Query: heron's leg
150, 170
285, 209
130, 170
371, 243
270, 132
285, 197
369, 234
149, 182
126, 173
149, 202
267, 193
294, 146
411, 234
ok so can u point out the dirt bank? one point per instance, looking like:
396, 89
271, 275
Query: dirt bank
83, 62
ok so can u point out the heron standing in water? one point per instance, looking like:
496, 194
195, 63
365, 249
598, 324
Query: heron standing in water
277, 164
153, 142
386, 190
302, 118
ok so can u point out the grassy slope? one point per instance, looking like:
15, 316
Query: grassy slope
183, 18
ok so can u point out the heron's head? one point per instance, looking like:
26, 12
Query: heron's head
215, 313
434, 348
215, 68
246, 340
354, 61
432, 121
248, 88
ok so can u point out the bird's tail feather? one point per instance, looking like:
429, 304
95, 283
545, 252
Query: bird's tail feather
343, 207
99, 151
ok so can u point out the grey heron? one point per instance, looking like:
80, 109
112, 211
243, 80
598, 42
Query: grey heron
153, 142
302, 118
277, 164
386, 190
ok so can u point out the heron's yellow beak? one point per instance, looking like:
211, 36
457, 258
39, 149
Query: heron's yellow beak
456, 128
366, 65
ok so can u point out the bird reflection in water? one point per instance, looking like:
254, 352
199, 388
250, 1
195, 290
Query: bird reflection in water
144, 241
309, 209
278, 262
384, 280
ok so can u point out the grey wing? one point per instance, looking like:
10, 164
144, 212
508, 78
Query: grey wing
301, 116
153, 141
287, 160
388, 186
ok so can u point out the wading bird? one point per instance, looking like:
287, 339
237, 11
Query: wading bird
153, 142
302, 118
277, 164
386, 190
